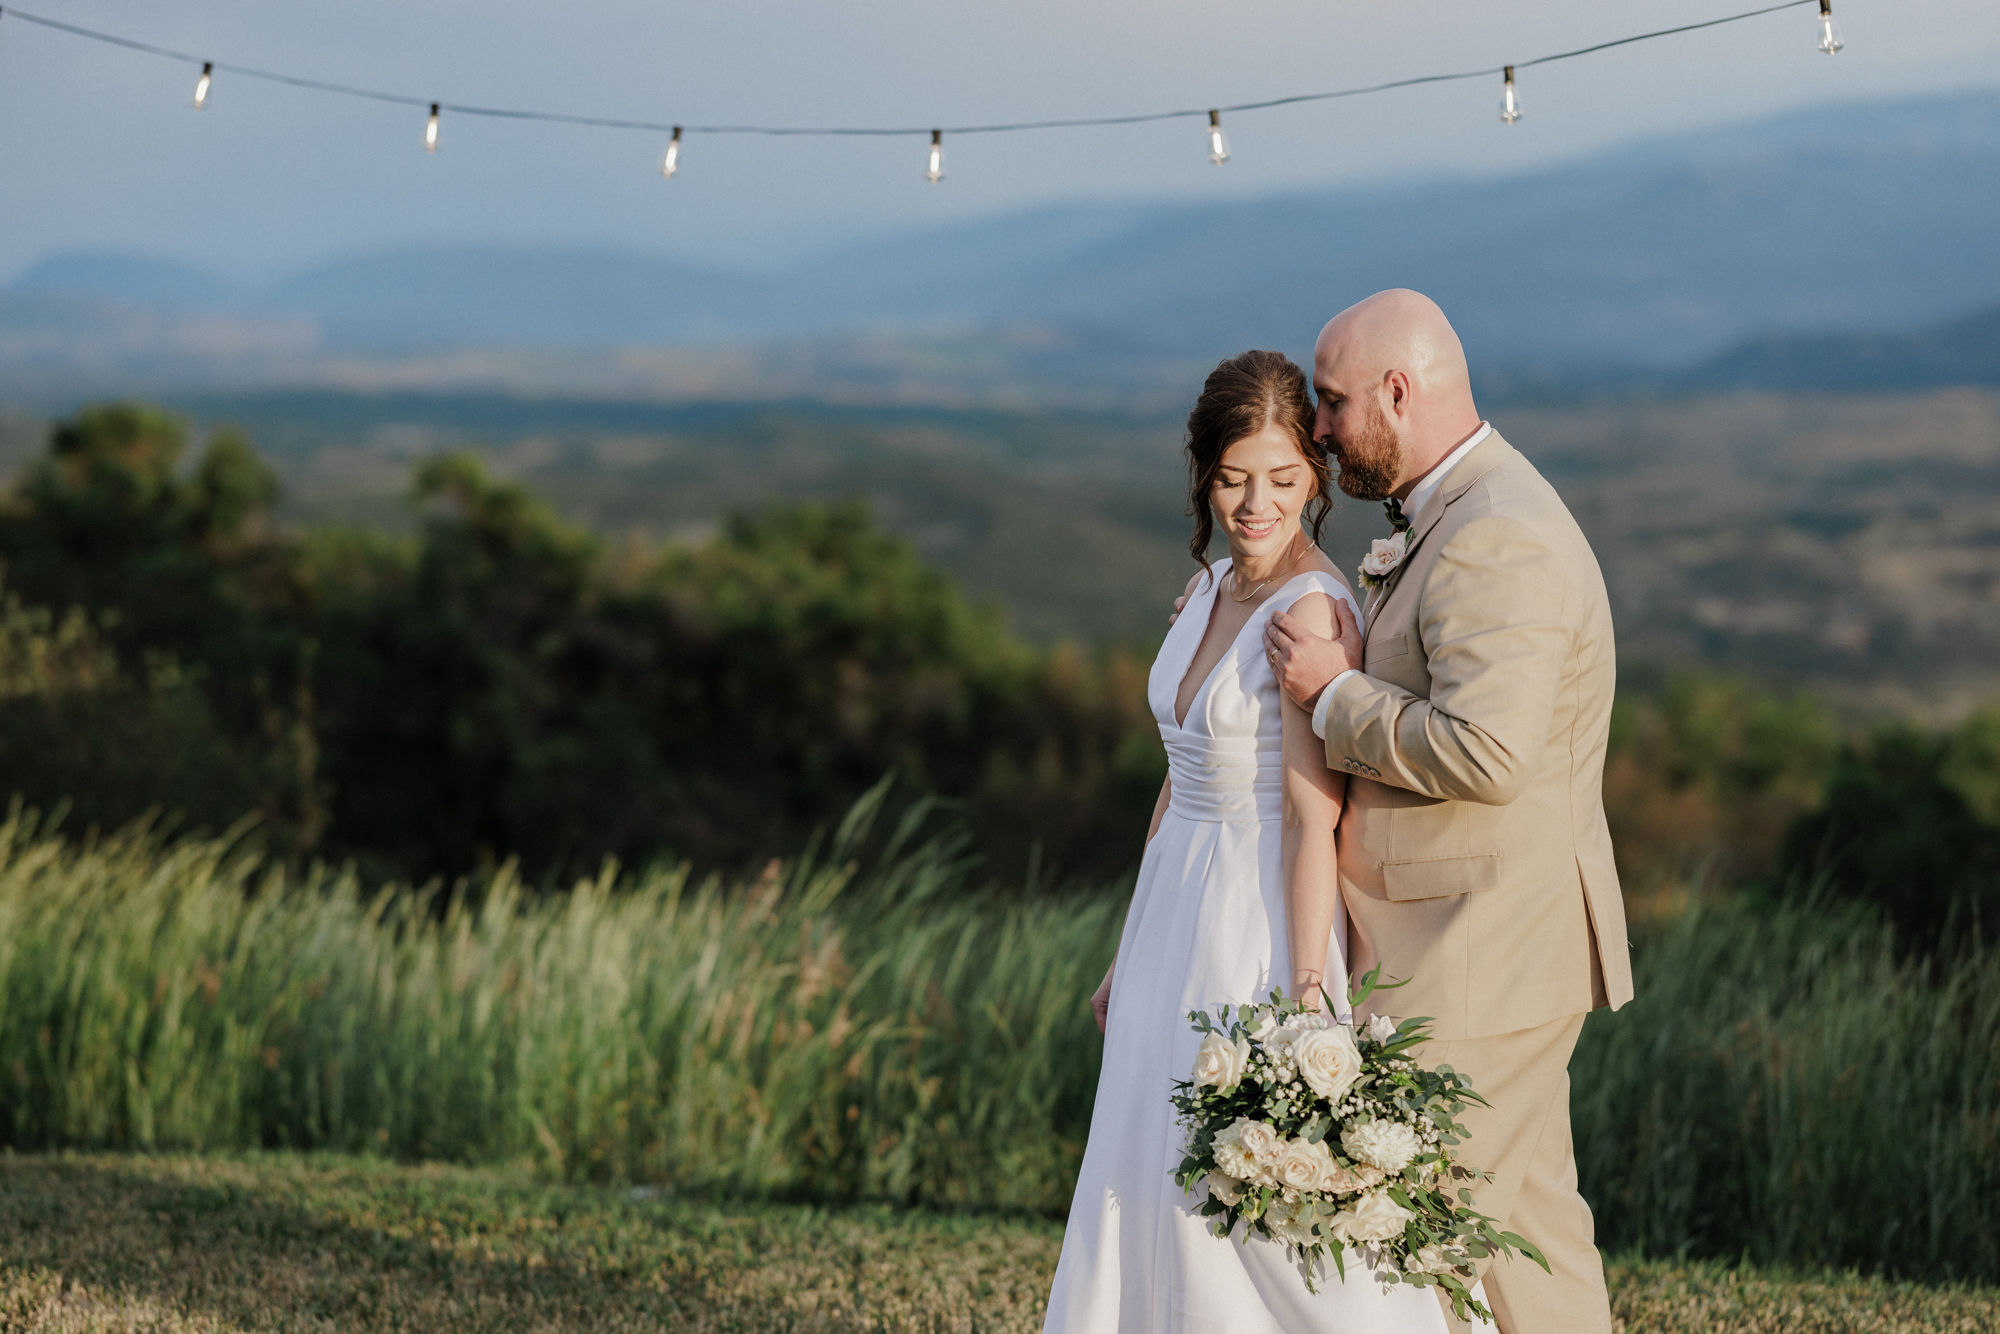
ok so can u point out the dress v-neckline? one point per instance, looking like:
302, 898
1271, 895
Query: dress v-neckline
1214, 592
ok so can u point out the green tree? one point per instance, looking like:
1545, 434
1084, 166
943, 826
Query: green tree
1908, 824
500, 684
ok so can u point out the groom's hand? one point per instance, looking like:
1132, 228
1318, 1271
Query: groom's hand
1180, 603
1304, 662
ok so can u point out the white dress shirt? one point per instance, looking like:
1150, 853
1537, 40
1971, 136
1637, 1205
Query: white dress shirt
1421, 495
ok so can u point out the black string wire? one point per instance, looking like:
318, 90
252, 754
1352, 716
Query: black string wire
827, 131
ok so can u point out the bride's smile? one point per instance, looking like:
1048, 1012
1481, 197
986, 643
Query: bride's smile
1260, 490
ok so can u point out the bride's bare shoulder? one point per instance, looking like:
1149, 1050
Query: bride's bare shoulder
1312, 611
1199, 580
1324, 564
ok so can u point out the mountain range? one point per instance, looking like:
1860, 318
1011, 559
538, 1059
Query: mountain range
1803, 250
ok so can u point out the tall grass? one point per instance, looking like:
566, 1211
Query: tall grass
1791, 1087
825, 1029
866, 1022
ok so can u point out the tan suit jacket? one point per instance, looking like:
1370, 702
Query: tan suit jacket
1474, 856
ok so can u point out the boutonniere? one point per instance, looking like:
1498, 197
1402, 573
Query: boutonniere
1384, 556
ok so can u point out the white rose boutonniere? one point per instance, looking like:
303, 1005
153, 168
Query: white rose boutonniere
1385, 554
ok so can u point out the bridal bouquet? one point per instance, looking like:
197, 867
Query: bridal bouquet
1330, 1140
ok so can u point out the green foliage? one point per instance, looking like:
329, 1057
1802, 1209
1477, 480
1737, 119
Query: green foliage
868, 1022
82, 732
889, 1031
1788, 1086
503, 685
1910, 823
1707, 774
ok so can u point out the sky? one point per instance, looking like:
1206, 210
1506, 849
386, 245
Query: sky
102, 151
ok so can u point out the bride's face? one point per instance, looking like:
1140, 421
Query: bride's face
1261, 488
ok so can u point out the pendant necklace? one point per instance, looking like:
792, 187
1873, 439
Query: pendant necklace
1234, 579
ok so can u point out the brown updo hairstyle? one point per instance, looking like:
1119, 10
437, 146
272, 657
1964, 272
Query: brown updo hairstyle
1241, 397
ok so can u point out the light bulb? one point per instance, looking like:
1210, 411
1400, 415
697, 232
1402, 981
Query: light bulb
673, 162
936, 172
431, 131
1218, 145
1510, 101
1829, 31
201, 84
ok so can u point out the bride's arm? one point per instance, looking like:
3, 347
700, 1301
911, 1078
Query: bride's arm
1100, 1000
1313, 795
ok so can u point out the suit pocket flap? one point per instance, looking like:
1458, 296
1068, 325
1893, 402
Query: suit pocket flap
1388, 646
1440, 877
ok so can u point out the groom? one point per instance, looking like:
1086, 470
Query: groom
1470, 718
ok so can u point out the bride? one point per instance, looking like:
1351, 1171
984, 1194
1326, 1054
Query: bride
1236, 894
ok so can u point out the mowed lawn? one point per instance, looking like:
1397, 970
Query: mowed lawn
317, 1242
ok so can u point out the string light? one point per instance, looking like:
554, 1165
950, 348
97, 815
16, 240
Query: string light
1829, 42
1510, 101
201, 84
673, 162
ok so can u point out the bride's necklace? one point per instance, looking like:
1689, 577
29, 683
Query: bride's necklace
1235, 579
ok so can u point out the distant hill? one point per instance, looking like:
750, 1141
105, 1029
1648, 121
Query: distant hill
1657, 256
1958, 352
135, 279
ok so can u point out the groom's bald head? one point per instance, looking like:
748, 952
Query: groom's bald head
1394, 392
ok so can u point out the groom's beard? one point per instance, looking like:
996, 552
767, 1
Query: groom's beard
1371, 463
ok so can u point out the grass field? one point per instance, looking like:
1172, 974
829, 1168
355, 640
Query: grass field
180, 1245
871, 1024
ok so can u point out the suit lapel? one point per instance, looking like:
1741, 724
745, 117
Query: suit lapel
1489, 454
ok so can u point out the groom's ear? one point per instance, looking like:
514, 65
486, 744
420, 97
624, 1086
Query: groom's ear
1398, 385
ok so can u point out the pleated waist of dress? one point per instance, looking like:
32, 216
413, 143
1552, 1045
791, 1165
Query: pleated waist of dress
1224, 778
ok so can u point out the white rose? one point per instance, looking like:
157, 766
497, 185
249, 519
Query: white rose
1305, 1165
1259, 1140
1225, 1188
1388, 1145
1328, 1060
1267, 1024
1384, 555
1382, 1028
1373, 1218
1220, 1062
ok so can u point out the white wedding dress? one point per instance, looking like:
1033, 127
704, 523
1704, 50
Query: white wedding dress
1207, 925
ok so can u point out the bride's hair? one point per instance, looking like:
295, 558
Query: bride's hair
1241, 397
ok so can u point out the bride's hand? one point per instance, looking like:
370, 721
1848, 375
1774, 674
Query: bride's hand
1100, 1001
1306, 987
